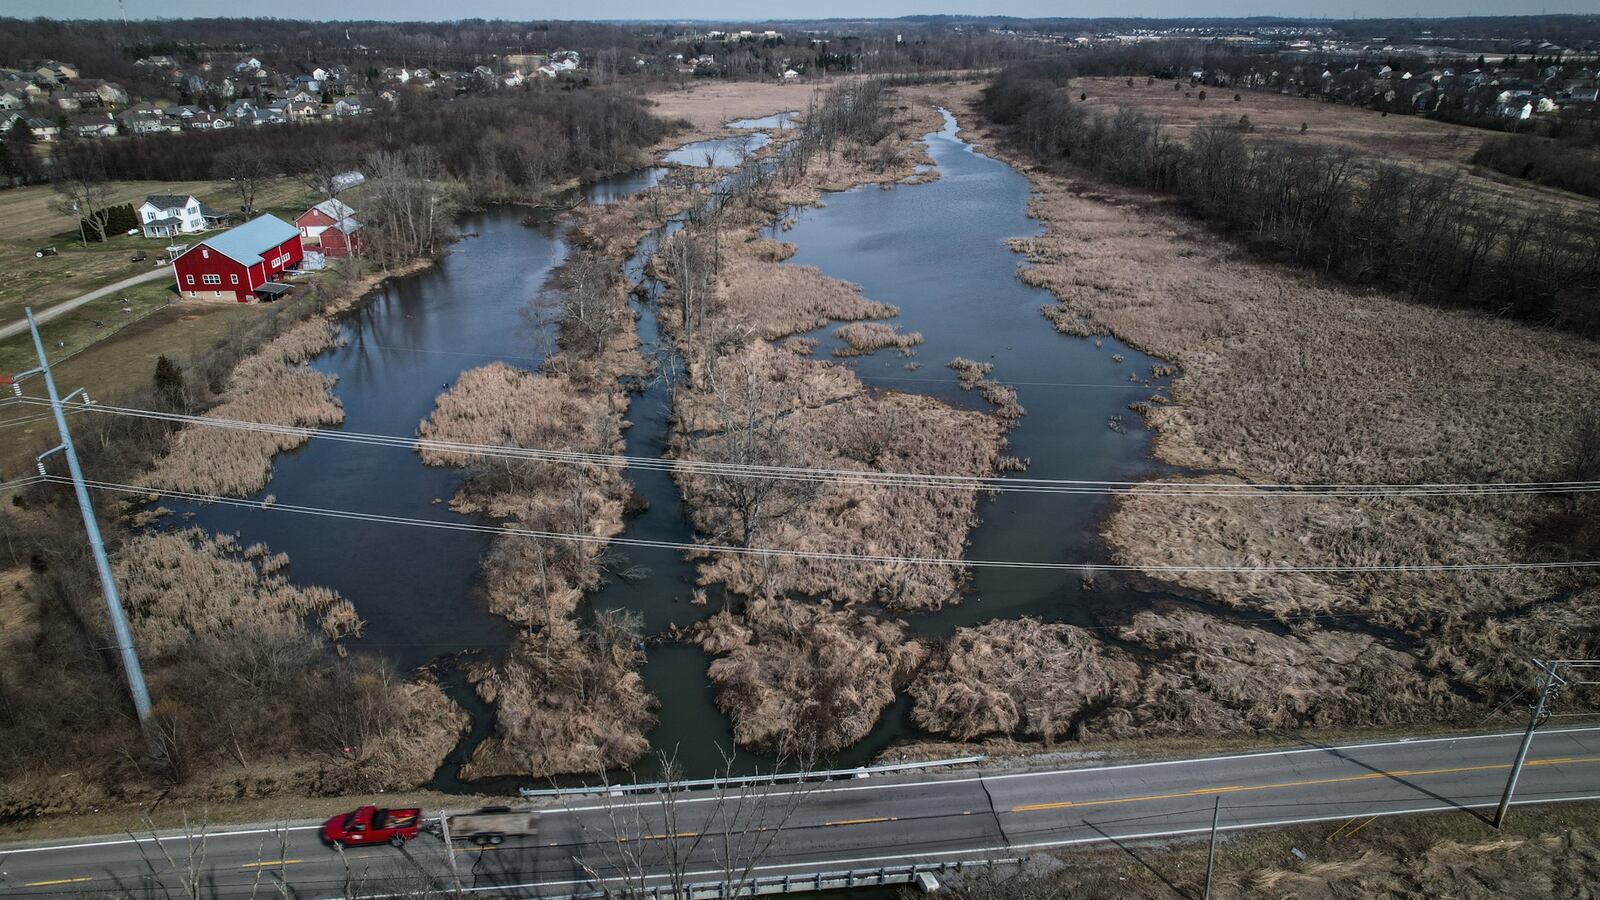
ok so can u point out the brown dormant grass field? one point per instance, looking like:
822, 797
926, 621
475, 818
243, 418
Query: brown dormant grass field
1412, 140
708, 105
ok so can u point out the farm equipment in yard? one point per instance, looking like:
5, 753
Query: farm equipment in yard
488, 826
371, 825
42, 252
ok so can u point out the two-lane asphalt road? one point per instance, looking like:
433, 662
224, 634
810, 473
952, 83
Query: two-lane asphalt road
862, 824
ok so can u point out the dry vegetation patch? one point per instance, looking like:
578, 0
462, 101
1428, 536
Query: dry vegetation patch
803, 678
709, 105
1019, 677
1213, 676
185, 586
567, 700
274, 387
861, 432
862, 338
530, 581
758, 290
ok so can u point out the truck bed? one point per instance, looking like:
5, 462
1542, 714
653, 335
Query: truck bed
494, 823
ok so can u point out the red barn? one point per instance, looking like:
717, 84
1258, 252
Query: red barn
330, 227
241, 261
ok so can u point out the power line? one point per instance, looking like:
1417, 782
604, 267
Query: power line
862, 477
511, 531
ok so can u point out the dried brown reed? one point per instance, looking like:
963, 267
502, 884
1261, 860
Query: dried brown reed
801, 678
1018, 677
182, 586
566, 701
272, 386
862, 338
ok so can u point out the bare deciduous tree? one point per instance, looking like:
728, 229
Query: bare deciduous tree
84, 193
656, 841
754, 431
244, 170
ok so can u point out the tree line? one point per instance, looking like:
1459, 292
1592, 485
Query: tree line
1433, 236
516, 143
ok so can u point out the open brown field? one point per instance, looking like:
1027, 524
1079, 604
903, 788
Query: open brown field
708, 105
1413, 140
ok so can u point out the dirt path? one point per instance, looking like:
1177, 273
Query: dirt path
43, 316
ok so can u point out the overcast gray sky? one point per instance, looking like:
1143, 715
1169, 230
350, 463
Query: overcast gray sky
779, 9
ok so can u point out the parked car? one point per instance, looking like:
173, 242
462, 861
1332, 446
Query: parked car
42, 252
371, 825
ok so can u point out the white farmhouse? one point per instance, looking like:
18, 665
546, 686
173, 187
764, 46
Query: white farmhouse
167, 215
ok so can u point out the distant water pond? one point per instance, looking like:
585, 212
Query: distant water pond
778, 121
719, 152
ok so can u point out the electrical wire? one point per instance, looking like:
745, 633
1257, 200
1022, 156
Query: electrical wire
623, 541
856, 477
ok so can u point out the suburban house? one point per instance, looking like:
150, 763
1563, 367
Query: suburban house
330, 226
241, 261
168, 215
94, 126
43, 130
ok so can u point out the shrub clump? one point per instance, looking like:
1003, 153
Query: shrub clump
803, 678
1019, 677
862, 338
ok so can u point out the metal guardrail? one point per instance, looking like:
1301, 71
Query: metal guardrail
768, 885
750, 780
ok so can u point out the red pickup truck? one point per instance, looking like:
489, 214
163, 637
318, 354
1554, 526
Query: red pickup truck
371, 825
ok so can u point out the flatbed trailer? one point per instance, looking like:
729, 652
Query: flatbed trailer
489, 826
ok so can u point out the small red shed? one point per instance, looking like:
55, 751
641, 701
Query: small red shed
241, 261
330, 227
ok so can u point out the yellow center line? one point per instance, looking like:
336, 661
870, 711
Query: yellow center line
59, 881
275, 862
863, 821
1310, 782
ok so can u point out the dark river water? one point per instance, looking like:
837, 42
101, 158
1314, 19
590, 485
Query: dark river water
936, 250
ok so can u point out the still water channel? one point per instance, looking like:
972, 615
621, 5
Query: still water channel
936, 250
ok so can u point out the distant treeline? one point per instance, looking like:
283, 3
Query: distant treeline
1433, 236
510, 144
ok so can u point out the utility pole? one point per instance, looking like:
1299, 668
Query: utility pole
108, 585
449, 849
1211, 852
1548, 683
